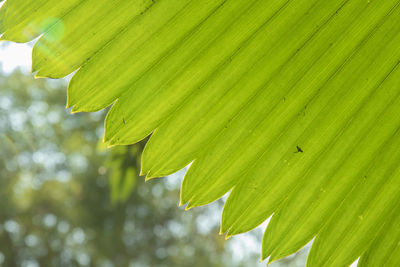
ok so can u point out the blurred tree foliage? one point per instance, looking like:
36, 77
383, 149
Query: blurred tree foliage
56, 205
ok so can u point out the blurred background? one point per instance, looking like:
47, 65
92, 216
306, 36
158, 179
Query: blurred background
67, 200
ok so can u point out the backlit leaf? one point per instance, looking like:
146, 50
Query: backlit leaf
292, 105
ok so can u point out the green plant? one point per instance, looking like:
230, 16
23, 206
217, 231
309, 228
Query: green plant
293, 106
64, 196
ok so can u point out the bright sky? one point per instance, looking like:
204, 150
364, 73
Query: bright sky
14, 56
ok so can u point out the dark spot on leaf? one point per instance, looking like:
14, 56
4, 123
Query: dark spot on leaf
299, 150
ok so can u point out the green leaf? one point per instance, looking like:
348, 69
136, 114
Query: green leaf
291, 105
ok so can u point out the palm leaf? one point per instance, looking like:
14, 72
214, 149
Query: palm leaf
292, 105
